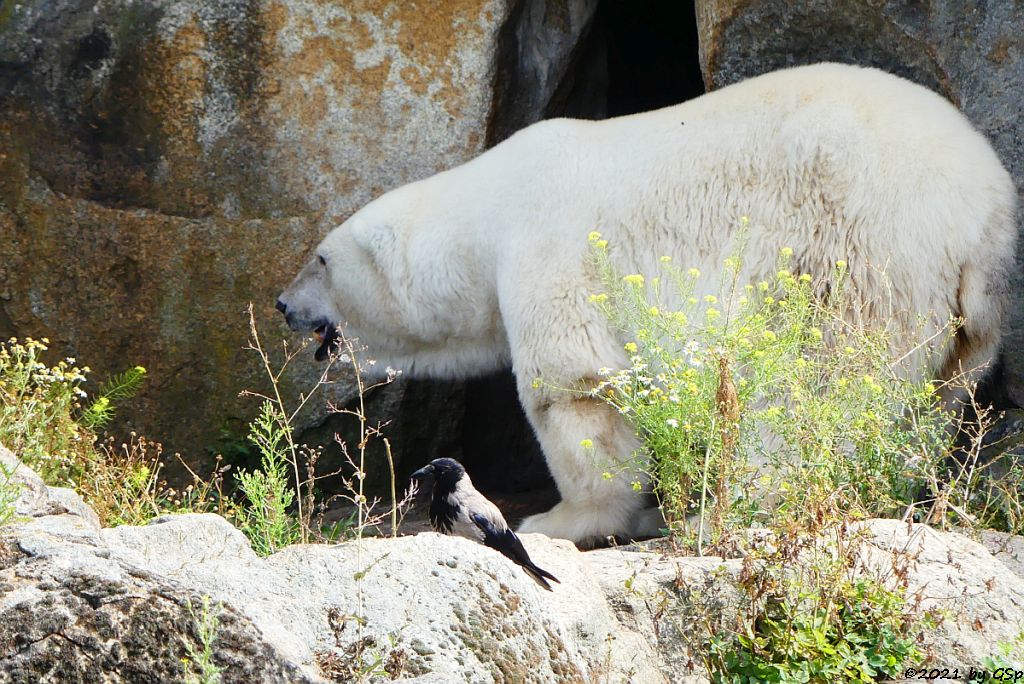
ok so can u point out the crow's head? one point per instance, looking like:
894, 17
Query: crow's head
444, 472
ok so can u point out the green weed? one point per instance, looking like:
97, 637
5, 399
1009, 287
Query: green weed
264, 516
51, 424
117, 388
38, 409
9, 493
199, 667
1007, 656
282, 504
754, 400
807, 617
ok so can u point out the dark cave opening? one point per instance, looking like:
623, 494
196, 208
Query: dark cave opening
652, 53
636, 56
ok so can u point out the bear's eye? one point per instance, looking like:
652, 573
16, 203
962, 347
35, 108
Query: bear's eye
323, 262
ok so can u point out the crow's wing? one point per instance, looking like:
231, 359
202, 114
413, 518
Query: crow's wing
506, 541
465, 502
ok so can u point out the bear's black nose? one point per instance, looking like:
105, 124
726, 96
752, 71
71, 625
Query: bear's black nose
280, 306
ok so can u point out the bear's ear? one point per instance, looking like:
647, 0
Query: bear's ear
375, 239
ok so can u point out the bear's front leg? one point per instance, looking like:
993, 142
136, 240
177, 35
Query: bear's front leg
557, 335
590, 450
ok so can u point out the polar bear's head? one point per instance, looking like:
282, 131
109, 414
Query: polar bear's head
412, 276
347, 282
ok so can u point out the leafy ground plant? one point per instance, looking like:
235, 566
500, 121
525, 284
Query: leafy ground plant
49, 421
810, 612
265, 516
199, 666
10, 490
1006, 655
770, 404
752, 400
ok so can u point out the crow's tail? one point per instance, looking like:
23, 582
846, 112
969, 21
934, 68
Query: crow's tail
541, 575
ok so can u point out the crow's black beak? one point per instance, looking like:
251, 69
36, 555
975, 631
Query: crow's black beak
424, 472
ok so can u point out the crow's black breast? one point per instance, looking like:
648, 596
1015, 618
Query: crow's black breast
442, 512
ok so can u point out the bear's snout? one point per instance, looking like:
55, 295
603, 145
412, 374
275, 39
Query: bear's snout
289, 317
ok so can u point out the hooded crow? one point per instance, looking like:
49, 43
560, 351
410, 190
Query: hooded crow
456, 507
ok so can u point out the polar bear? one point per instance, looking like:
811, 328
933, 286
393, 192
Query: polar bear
486, 265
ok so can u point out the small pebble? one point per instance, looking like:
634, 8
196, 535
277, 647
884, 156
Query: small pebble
421, 648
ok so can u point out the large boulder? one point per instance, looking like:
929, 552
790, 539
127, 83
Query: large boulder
667, 600
977, 599
163, 163
71, 609
246, 108
80, 603
969, 51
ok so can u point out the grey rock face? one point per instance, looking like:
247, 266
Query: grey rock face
541, 42
967, 50
164, 163
672, 601
1007, 548
74, 608
32, 494
658, 598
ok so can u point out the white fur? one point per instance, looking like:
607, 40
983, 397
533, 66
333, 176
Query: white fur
485, 264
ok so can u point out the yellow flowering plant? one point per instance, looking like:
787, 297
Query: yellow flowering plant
768, 404
757, 377
50, 423
38, 407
